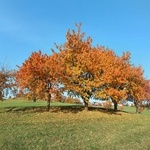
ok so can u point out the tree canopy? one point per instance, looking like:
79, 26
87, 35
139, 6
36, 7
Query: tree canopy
37, 76
7, 81
84, 71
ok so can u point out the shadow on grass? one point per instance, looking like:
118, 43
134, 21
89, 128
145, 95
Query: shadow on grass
23, 109
57, 109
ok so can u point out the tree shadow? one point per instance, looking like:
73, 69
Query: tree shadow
64, 109
23, 109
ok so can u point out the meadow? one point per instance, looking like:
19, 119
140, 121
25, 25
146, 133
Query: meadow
71, 130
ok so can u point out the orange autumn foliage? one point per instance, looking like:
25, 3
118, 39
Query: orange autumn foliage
96, 72
84, 71
80, 71
37, 75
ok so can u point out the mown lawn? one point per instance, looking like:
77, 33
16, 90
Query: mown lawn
132, 110
93, 130
27, 103
18, 104
21, 104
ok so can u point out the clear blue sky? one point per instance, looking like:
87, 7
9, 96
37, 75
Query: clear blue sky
30, 25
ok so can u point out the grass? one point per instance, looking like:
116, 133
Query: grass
20, 104
93, 130
27, 103
132, 110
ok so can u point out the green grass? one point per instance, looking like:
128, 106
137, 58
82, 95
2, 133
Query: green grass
93, 130
21, 104
74, 131
27, 103
132, 110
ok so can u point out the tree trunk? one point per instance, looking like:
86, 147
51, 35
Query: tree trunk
34, 100
137, 109
48, 105
48, 102
115, 106
86, 106
136, 106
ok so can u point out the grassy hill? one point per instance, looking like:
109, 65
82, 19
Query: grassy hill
93, 130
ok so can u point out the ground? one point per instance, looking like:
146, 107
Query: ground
75, 130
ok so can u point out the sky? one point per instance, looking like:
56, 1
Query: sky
31, 25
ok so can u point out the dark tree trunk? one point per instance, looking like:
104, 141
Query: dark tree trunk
86, 108
137, 107
115, 105
34, 100
48, 103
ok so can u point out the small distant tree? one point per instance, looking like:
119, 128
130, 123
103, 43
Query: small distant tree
107, 105
7, 81
58, 96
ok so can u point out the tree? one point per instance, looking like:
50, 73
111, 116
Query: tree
147, 92
122, 80
136, 86
72, 75
7, 81
80, 72
147, 89
114, 77
97, 72
37, 75
58, 96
